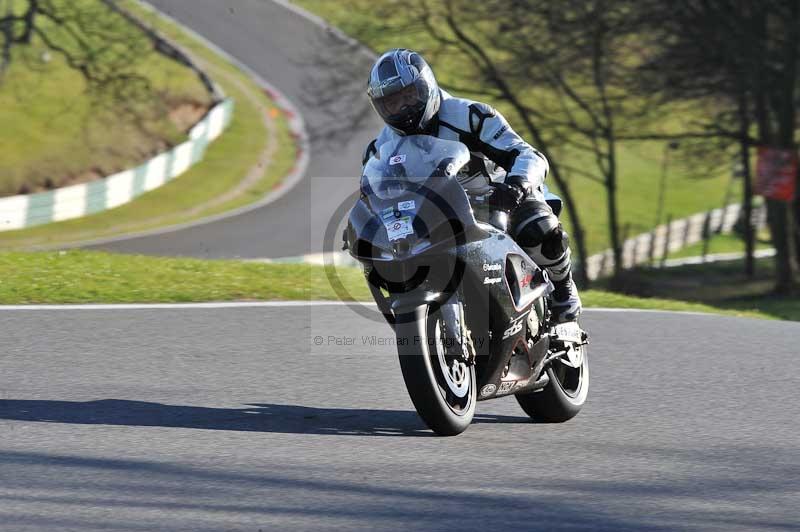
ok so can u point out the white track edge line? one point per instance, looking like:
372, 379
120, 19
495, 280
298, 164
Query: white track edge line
279, 304
179, 306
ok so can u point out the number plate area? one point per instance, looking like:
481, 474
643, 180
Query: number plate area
398, 228
569, 332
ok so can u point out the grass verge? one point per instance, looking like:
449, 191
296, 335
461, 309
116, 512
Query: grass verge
722, 244
721, 285
97, 277
227, 161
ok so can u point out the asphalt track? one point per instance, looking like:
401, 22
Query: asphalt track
233, 419
297, 57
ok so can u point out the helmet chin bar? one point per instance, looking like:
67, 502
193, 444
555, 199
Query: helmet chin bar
412, 129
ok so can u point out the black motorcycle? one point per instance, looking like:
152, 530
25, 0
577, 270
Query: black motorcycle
468, 307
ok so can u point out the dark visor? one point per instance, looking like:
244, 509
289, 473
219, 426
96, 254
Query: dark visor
395, 103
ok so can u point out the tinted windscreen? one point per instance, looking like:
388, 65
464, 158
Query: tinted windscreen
411, 160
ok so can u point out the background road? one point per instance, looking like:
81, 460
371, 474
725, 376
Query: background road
233, 420
298, 57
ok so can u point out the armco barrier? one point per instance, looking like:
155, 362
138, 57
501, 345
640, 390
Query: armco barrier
19, 212
669, 238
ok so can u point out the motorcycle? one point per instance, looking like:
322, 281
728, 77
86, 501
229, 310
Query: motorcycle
468, 307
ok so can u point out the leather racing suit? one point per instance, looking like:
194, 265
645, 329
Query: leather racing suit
502, 155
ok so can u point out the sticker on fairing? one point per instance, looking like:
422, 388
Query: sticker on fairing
487, 390
399, 228
397, 159
407, 205
506, 387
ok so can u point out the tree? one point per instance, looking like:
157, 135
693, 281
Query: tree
562, 69
94, 38
740, 58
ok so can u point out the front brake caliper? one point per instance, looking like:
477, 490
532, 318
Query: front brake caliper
455, 327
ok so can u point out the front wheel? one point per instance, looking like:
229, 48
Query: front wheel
564, 395
441, 385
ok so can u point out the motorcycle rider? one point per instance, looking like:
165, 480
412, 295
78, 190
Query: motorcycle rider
403, 91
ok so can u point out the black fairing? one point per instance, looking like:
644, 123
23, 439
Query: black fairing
441, 216
447, 253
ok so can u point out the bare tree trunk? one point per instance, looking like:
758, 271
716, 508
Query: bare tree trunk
747, 188
776, 210
783, 222
611, 202
778, 218
793, 80
796, 210
607, 161
578, 237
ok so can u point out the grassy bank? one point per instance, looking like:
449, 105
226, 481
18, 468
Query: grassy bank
722, 244
721, 285
194, 194
640, 163
96, 277
57, 129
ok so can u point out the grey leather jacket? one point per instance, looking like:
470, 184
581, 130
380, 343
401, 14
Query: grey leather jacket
497, 151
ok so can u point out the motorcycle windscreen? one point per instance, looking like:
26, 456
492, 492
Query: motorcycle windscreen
407, 162
410, 185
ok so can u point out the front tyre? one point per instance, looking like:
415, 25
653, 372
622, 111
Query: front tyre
564, 395
441, 386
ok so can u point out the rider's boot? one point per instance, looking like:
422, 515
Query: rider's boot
565, 303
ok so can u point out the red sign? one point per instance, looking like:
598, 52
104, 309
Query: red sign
776, 173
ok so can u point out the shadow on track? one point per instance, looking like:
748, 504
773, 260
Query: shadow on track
185, 497
258, 417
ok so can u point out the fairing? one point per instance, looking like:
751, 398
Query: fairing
443, 251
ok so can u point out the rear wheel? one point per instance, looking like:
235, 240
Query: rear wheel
564, 395
441, 385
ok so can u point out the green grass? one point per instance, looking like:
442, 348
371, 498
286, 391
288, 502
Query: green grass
227, 161
97, 277
688, 191
721, 244
604, 299
53, 130
721, 285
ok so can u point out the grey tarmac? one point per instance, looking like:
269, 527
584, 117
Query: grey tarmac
234, 419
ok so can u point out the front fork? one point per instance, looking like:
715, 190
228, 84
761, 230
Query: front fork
455, 326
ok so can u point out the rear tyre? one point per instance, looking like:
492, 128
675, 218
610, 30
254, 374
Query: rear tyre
441, 386
564, 395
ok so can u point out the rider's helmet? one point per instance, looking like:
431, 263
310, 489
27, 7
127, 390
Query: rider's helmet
403, 91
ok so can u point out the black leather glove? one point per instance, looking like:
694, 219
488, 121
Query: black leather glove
505, 197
